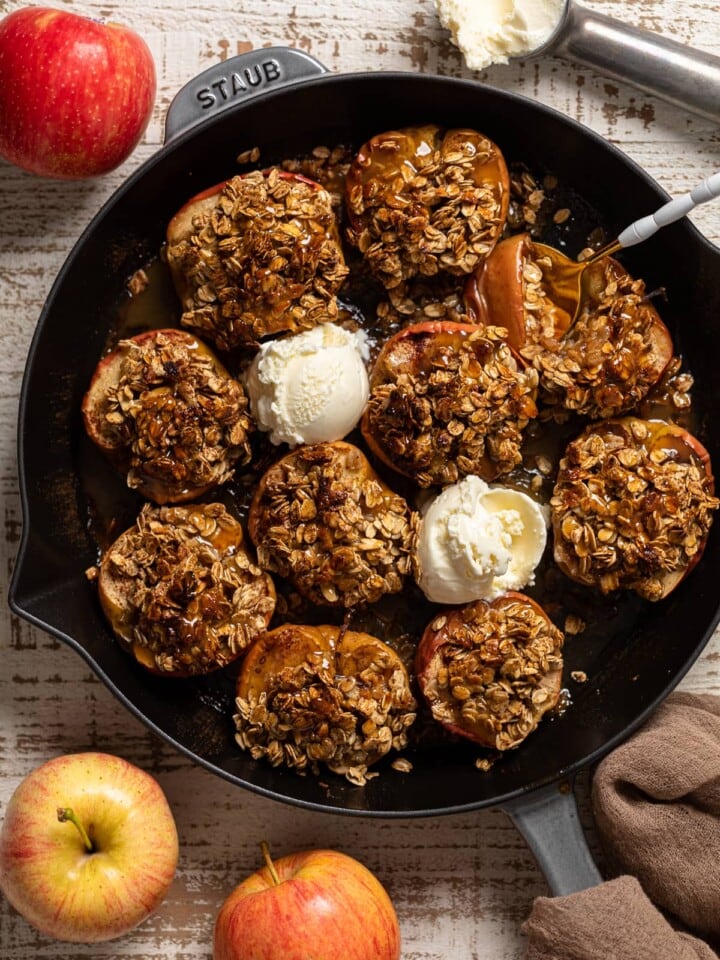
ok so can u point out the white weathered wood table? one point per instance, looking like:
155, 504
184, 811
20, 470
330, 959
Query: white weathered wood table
462, 885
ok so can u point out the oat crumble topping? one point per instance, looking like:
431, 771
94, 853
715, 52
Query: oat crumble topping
181, 589
527, 197
612, 355
267, 259
447, 402
180, 417
496, 671
574, 625
329, 168
633, 503
324, 519
423, 202
347, 703
420, 301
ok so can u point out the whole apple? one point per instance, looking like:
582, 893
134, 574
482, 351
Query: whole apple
75, 94
88, 847
318, 903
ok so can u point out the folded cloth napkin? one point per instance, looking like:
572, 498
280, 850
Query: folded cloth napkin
614, 921
656, 801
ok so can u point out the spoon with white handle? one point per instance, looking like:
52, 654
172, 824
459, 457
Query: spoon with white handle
562, 276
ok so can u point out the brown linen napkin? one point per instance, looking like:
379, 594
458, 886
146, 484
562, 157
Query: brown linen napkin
614, 921
656, 801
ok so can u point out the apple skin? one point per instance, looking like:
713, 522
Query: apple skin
45, 870
75, 94
326, 906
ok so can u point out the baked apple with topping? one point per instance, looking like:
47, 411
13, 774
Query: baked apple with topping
490, 671
602, 365
322, 518
310, 695
164, 410
181, 592
423, 201
256, 255
632, 506
448, 400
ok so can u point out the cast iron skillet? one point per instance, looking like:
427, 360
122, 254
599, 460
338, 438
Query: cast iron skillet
632, 661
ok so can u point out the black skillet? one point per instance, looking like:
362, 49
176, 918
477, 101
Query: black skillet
633, 652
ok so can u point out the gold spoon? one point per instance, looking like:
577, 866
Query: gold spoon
563, 277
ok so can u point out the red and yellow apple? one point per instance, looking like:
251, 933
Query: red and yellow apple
317, 903
88, 847
75, 94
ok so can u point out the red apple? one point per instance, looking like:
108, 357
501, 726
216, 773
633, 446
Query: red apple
75, 94
319, 903
98, 876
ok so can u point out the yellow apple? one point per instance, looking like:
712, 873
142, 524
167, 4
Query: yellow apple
88, 847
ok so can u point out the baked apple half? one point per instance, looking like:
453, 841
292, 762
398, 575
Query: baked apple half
165, 411
322, 518
181, 592
490, 671
256, 255
423, 201
602, 365
507, 290
448, 400
632, 506
312, 695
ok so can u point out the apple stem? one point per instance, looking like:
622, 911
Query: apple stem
269, 864
65, 814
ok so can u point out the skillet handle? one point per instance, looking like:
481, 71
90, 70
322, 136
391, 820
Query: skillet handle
687, 78
240, 78
548, 820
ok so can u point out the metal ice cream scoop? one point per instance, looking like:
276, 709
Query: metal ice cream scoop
686, 77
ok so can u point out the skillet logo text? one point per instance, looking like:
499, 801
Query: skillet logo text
238, 83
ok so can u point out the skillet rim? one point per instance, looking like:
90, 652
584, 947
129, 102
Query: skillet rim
22, 557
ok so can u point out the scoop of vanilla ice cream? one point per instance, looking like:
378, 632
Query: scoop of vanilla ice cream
491, 31
311, 387
476, 542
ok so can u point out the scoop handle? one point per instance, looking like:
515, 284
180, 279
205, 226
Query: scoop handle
670, 212
687, 78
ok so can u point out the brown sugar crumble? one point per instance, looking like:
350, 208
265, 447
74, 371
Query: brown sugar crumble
266, 259
182, 590
344, 705
628, 510
324, 519
612, 355
497, 673
443, 406
421, 202
183, 423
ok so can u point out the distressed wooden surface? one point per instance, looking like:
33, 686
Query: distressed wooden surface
463, 884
